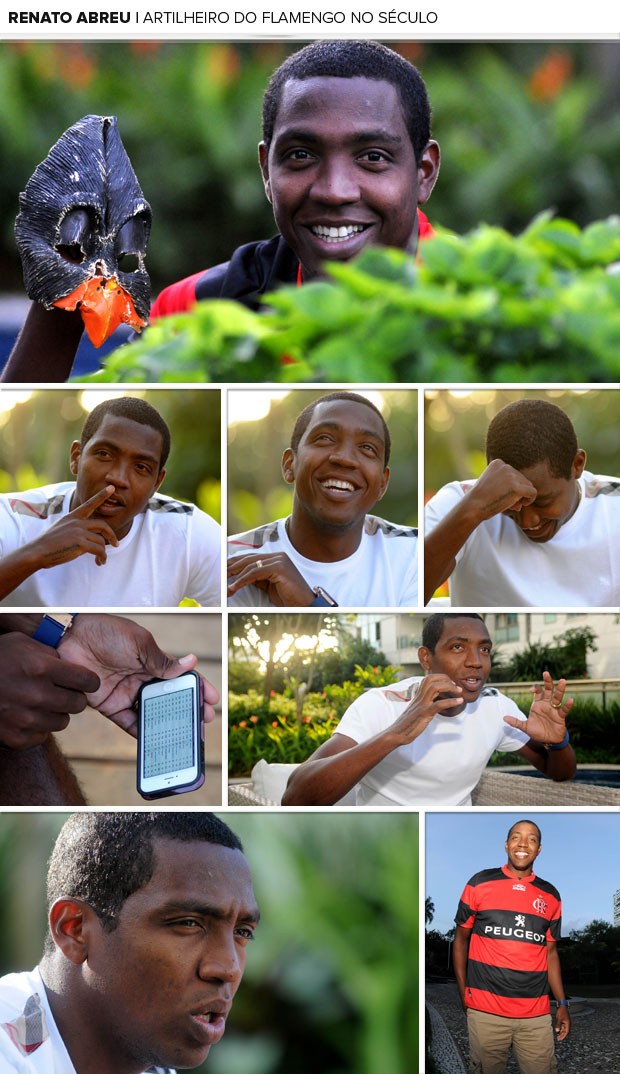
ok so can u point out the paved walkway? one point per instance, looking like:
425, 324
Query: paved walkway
593, 1046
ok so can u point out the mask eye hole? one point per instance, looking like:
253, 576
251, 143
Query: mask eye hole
130, 244
75, 235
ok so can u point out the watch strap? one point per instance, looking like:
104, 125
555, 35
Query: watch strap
53, 627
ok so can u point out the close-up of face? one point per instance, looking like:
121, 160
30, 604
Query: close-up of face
340, 171
164, 979
463, 653
523, 846
556, 501
338, 469
123, 453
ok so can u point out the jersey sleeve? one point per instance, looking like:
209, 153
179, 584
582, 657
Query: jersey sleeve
466, 911
177, 298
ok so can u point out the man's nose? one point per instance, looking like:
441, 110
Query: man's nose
222, 960
117, 473
473, 658
343, 453
336, 182
528, 518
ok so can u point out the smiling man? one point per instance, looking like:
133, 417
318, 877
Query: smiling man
150, 916
346, 160
427, 741
505, 957
330, 551
535, 529
109, 538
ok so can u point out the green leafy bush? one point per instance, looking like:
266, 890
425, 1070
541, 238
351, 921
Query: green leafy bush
486, 306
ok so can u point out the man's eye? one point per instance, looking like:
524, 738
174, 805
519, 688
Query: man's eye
374, 156
245, 933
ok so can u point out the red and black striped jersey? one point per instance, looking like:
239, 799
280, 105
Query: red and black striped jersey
511, 919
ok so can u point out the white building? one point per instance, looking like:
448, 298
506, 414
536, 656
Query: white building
399, 635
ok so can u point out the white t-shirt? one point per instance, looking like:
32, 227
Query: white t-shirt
443, 765
172, 551
381, 573
29, 1039
499, 566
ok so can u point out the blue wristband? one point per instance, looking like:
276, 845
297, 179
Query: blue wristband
52, 628
558, 745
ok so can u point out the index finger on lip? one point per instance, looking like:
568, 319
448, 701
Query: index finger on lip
86, 509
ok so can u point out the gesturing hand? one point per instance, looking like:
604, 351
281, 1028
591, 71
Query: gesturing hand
547, 718
275, 573
78, 533
436, 695
124, 655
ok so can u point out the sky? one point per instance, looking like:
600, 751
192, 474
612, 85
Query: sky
580, 856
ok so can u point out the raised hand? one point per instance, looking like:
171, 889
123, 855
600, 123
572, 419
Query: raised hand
547, 717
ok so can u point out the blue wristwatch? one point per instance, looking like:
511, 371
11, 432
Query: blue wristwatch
54, 627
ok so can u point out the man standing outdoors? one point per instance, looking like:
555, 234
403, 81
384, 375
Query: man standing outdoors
506, 961
150, 916
536, 529
330, 551
109, 538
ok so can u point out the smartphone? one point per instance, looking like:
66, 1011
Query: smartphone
170, 736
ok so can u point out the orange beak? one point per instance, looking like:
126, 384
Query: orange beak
103, 305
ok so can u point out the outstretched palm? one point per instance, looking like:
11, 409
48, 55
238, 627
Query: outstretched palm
547, 717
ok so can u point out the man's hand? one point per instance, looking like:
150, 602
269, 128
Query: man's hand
78, 533
124, 656
547, 719
436, 695
38, 691
562, 1023
276, 574
501, 488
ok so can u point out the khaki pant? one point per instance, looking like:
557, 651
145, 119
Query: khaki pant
490, 1037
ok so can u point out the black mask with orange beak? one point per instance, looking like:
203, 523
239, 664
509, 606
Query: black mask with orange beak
83, 229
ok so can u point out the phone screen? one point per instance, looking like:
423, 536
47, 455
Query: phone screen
169, 736
169, 733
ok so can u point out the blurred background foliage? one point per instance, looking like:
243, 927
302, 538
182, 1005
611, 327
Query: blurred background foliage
332, 978
524, 126
455, 424
37, 429
259, 429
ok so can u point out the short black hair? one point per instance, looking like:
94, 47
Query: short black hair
135, 410
531, 431
433, 627
303, 419
355, 59
103, 858
525, 820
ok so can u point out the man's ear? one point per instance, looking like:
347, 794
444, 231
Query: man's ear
428, 170
385, 483
71, 922
160, 479
579, 463
263, 160
424, 656
288, 466
74, 456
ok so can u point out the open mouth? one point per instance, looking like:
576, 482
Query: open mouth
333, 484
337, 234
211, 1026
